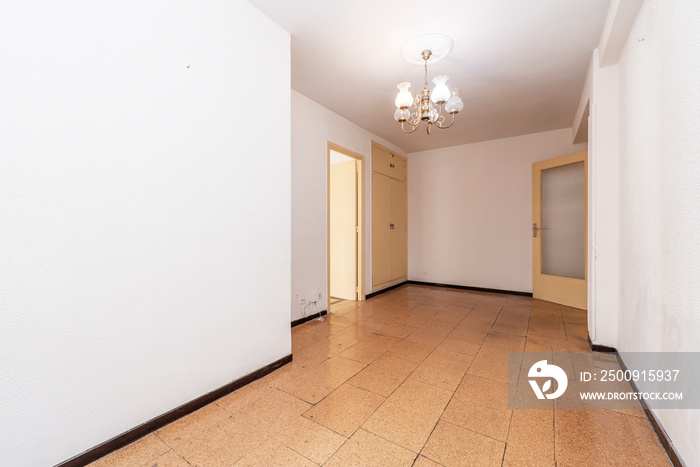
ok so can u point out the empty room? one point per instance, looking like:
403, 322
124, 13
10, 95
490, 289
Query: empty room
388, 233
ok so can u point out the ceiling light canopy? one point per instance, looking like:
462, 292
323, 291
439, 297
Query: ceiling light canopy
427, 106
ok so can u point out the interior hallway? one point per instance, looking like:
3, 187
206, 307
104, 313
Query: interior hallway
415, 376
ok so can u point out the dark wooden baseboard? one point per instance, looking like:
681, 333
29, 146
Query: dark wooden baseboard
658, 428
475, 289
303, 320
160, 421
391, 287
600, 348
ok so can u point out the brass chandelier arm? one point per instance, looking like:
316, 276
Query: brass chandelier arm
446, 127
413, 128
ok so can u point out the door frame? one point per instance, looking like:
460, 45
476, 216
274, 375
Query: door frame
360, 180
567, 284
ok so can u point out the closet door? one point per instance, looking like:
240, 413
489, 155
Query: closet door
398, 229
382, 161
398, 171
381, 229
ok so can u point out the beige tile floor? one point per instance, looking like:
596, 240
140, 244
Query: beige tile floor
415, 376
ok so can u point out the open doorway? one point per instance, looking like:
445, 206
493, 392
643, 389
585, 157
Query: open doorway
346, 215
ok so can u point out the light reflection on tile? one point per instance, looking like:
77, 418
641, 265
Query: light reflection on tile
346, 409
453, 445
409, 415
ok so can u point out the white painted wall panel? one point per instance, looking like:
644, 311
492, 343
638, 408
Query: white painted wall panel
659, 192
144, 213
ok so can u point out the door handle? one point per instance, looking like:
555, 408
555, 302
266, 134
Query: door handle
391, 227
535, 229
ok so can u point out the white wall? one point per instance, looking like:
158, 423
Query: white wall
312, 127
659, 193
145, 214
603, 204
470, 210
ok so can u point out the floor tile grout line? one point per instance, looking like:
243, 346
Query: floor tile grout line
306, 457
366, 365
431, 459
387, 398
327, 427
387, 440
370, 416
453, 392
339, 448
512, 412
312, 404
150, 462
359, 427
438, 421
172, 448
505, 447
481, 347
363, 389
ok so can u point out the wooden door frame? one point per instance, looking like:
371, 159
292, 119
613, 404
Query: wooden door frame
537, 169
360, 186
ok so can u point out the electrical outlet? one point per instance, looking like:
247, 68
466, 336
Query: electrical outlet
301, 300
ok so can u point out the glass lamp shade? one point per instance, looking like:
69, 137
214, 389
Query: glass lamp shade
401, 115
441, 92
454, 103
404, 99
434, 115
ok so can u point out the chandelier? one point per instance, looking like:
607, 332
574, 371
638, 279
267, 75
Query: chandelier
427, 106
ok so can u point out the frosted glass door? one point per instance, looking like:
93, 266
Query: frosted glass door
559, 230
563, 226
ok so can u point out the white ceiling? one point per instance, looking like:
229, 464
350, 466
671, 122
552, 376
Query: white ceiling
520, 63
